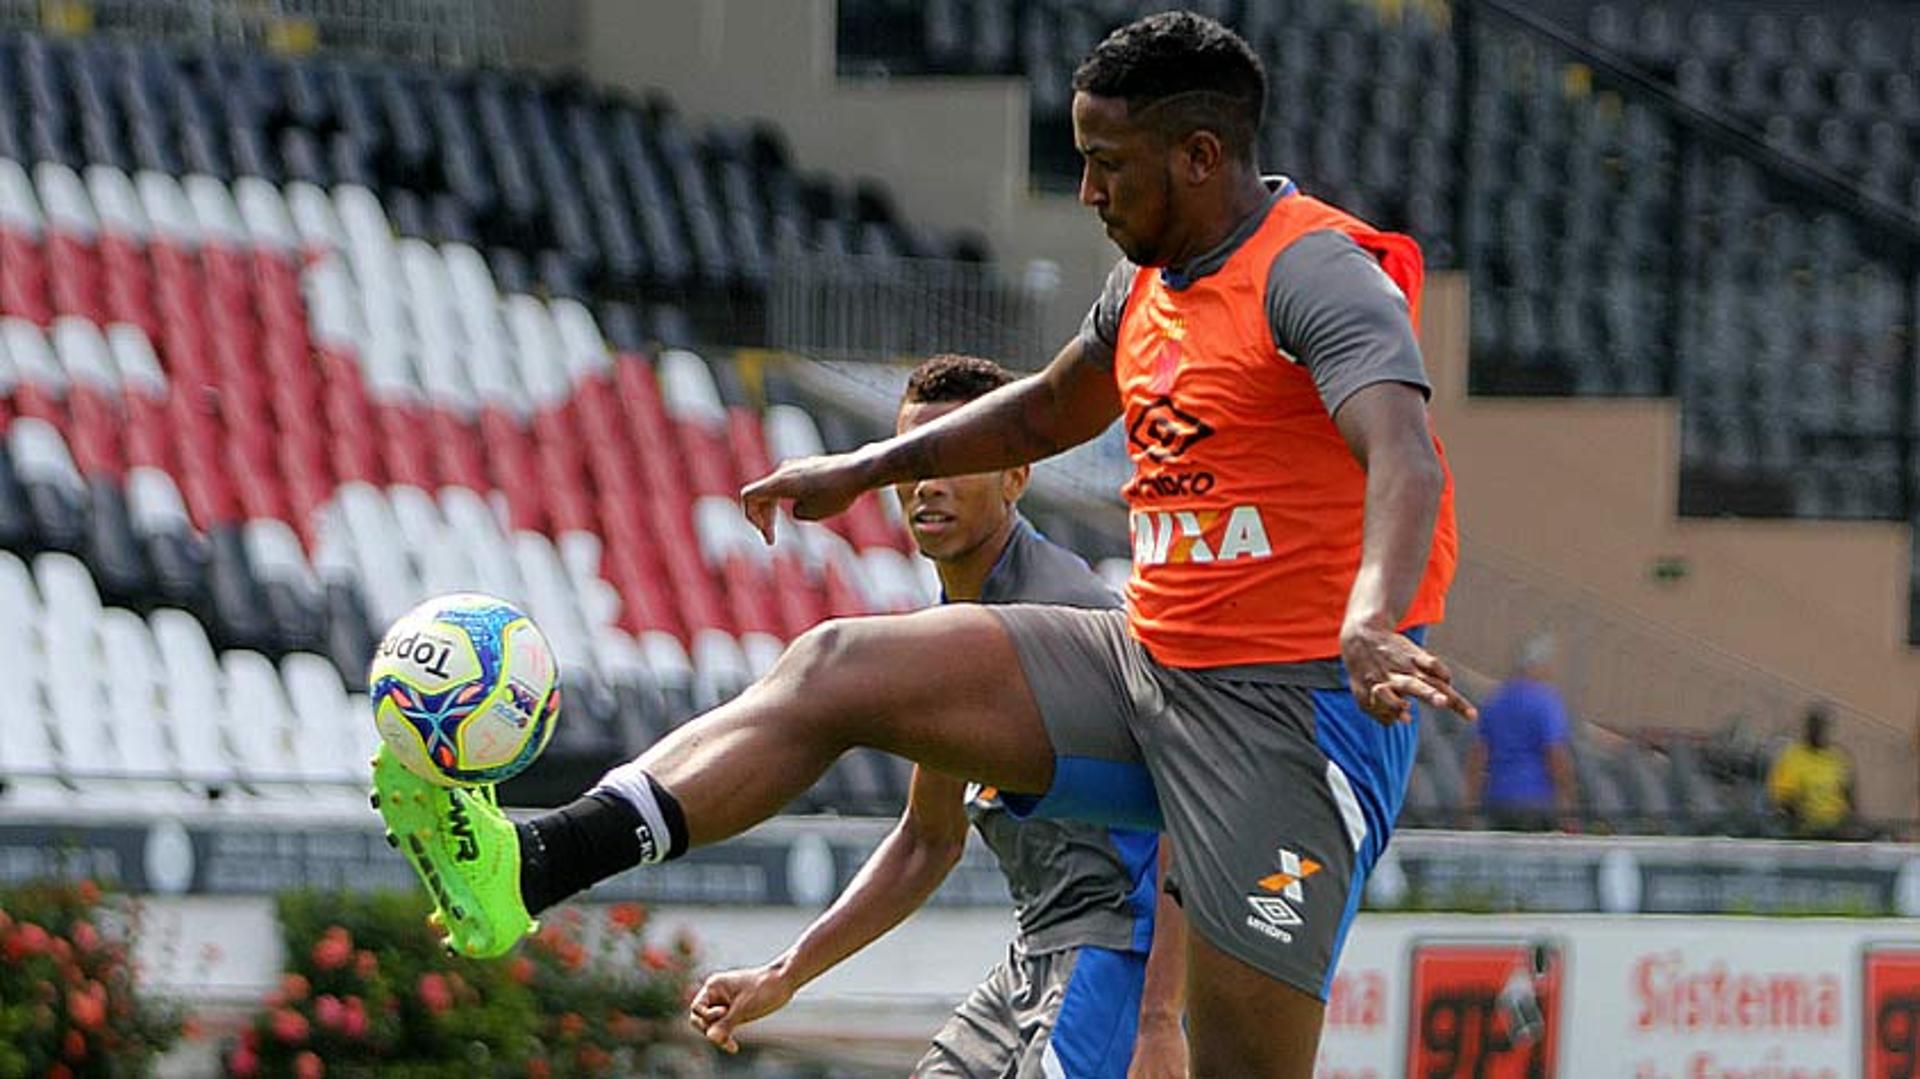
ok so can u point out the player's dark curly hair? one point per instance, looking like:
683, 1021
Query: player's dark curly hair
953, 377
1182, 72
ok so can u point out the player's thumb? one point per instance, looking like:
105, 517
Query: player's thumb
720, 1033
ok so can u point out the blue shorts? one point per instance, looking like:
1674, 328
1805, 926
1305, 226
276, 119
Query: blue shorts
1277, 791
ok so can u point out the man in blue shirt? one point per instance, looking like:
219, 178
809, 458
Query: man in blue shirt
1520, 768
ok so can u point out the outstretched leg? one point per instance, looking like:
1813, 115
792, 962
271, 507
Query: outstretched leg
941, 687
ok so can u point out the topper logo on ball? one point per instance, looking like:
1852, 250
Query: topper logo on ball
429, 654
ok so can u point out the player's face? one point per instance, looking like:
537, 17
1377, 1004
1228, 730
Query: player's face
1126, 176
951, 517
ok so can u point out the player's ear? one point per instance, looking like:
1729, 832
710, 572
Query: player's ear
1013, 483
1202, 154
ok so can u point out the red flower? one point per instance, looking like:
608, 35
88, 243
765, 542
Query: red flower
74, 1046
308, 1066
366, 964
89, 892
434, 992
295, 987
354, 1023
27, 941
85, 937
628, 916
521, 970
334, 949
191, 1029
538, 1068
88, 1008
243, 1062
655, 959
290, 1026
593, 1059
59, 1071
572, 1024
329, 1012
625, 1027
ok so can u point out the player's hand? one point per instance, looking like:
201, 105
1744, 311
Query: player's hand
1388, 673
731, 999
1159, 1050
817, 486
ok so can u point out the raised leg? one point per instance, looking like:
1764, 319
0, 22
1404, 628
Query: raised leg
942, 687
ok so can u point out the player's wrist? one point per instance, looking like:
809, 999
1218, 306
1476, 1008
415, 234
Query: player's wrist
1160, 1019
784, 974
1364, 622
875, 464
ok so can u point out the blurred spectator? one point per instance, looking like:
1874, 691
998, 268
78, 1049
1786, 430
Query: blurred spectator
1520, 767
1811, 783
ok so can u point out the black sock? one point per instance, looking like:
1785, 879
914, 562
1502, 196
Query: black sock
593, 838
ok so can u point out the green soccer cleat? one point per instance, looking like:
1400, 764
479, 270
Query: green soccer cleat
464, 850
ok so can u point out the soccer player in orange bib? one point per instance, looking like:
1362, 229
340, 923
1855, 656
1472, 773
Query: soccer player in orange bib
1293, 538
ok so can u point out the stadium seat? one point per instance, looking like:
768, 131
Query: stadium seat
195, 706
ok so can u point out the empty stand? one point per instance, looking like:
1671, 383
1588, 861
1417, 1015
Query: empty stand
287, 346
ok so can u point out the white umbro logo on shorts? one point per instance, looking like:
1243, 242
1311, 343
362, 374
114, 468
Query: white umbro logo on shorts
1274, 910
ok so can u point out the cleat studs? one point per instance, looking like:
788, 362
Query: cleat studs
373, 799
392, 840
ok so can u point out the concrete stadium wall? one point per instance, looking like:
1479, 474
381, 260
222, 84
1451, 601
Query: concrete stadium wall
1577, 498
953, 150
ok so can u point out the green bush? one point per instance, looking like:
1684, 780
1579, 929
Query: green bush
368, 990
69, 1006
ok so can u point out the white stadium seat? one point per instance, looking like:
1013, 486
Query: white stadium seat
214, 211
314, 219
116, 202
167, 208
259, 722
134, 696
19, 206
331, 745
687, 389
264, 214
195, 704
33, 360
65, 200
720, 669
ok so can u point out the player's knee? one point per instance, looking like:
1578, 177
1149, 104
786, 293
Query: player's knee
824, 657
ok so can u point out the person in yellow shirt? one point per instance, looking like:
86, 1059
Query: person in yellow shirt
1811, 783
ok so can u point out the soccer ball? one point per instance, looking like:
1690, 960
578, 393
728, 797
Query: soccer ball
465, 690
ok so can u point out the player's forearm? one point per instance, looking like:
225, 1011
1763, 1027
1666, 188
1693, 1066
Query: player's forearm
900, 876
1011, 426
1404, 487
1163, 993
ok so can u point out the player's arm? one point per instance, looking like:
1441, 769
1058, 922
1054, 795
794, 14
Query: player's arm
898, 877
1385, 425
1067, 403
1337, 313
1160, 1048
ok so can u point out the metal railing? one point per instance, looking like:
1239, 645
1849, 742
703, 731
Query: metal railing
858, 307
